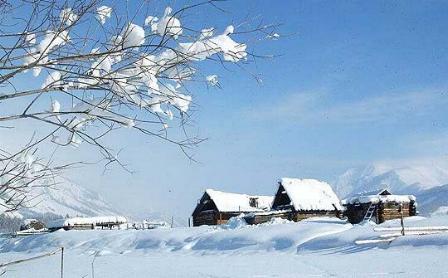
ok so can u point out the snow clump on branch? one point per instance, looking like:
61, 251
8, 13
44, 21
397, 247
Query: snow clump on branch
103, 13
132, 73
67, 16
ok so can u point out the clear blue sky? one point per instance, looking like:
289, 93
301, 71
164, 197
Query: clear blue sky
355, 82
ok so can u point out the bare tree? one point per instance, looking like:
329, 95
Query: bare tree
90, 70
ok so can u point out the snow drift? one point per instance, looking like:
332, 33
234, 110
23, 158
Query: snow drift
279, 235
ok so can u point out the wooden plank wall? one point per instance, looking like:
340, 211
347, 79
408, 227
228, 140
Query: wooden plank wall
205, 218
392, 211
305, 215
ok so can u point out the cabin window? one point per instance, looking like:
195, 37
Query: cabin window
253, 202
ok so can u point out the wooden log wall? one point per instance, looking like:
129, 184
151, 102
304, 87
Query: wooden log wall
305, 215
291, 216
205, 218
392, 211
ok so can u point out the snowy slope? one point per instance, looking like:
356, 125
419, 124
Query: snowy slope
320, 247
364, 179
423, 179
411, 178
68, 198
433, 200
279, 235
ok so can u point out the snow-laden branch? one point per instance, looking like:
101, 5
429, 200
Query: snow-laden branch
95, 70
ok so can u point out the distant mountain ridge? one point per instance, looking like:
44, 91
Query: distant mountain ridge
433, 200
68, 199
428, 181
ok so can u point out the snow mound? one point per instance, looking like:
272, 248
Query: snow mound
324, 235
235, 223
234, 237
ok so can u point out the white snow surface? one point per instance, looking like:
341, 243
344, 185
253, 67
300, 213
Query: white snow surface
310, 194
375, 199
234, 202
319, 247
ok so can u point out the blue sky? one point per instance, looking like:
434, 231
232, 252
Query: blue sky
354, 82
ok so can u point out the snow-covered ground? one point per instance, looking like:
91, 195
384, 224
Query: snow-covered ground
314, 248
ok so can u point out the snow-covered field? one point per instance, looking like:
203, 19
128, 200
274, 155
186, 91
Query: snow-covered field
320, 247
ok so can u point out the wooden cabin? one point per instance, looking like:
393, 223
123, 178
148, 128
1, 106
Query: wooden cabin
378, 206
298, 199
217, 207
87, 223
32, 224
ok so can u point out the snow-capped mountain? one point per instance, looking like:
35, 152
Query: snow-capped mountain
433, 200
428, 181
67, 198
357, 180
398, 178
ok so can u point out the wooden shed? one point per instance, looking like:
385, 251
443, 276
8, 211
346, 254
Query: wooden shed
32, 224
378, 206
87, 223
298, 199
217, 207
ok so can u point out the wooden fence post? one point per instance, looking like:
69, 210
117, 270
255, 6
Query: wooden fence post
402, 220
62, 262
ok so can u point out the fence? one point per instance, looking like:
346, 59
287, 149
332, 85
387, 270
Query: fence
59, 250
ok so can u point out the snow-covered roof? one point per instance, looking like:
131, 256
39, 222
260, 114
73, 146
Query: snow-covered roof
98, 220
29, 221
377, 191
376, 196
310, 194
232, 202
375, 199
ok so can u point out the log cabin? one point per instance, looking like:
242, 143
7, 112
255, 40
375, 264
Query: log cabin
298, 199
378, 206
87, 223
32, 224
217, 207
